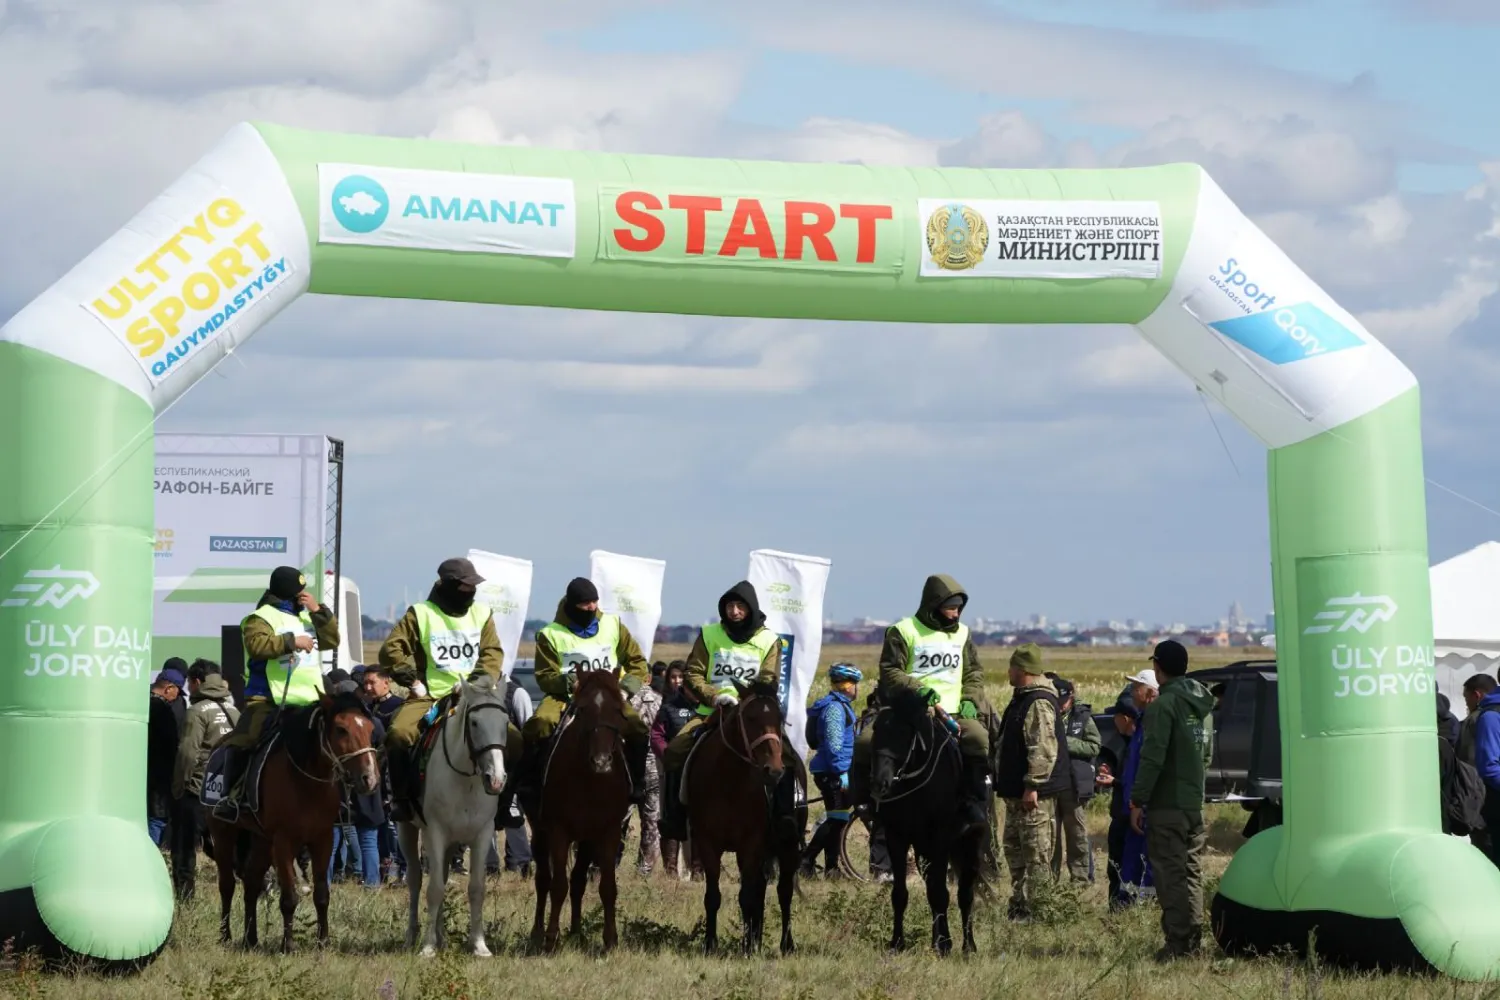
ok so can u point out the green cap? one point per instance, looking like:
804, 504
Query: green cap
1027, 658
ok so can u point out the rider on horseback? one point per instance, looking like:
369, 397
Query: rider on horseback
445, 639
580, 639
738, 649
284, 668
931, 652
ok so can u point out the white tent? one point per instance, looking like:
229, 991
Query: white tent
1466, 619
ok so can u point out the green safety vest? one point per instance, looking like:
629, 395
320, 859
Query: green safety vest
577, 654
730, 661
451, 644
937, 659
305, 669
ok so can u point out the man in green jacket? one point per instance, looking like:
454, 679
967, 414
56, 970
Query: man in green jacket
1166, 802
931, 652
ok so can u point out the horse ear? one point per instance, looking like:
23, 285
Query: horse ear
740, 687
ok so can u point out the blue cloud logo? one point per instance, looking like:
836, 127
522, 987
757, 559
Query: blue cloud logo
1289, 334
360, 204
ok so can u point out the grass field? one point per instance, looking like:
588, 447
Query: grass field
1075, 949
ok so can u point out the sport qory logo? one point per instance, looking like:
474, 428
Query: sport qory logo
360, 203
1356, 613
779, 588
68, 584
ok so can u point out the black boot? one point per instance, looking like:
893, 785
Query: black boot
228, 807
784, 818
635, 765
974, 795
403, 784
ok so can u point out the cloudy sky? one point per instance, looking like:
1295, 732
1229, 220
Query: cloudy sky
1063, 470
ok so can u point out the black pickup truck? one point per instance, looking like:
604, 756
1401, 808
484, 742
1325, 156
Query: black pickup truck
1247, 734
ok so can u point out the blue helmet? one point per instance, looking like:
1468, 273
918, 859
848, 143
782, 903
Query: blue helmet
845, 672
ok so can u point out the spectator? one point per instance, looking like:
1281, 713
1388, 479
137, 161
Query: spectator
377, 687
647, 703
161, 750
1487, 763
659, 677
1447, 722
830, 727
1174, 755
383, 705
179, 703
361, 836
1033, 769
517, 840
1071, 832
211, 718
1130, 868
676, 709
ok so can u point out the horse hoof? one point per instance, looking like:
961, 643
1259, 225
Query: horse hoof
480, 951
787, 948
428, 951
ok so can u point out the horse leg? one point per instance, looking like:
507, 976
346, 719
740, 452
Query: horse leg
321, 851
224, 861
710, 861
437, 877
254, 878
582, 860
786, 887
284, 855
937, 900
752, 897
898, 847
542, 859
607, 887
559, 846
968, 872
411, 846
477, 853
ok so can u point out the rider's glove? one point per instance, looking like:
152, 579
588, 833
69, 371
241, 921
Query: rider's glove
931, 695
844, 780
724, 700
968, 710
418, 689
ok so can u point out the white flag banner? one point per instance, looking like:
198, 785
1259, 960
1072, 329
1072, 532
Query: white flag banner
507, 591
791, 589
630, 586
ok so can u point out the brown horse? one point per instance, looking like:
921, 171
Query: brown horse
584, 799
322, 747
731, 780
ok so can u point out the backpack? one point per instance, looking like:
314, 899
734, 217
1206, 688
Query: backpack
814, 728
1462, 792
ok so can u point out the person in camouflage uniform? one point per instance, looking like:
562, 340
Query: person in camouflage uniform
1033, 770
647, 704
1071, 841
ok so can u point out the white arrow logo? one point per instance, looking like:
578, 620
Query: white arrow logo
58, 594
1356, 612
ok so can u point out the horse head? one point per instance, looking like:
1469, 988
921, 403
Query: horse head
758, 720
346, 731
905, 721
599, 708
485, 719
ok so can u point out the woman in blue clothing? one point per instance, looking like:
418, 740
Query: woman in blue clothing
830, 732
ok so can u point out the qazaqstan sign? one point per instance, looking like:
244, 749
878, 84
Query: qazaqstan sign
215, 265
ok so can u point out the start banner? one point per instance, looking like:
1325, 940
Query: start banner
791, 589
630, 586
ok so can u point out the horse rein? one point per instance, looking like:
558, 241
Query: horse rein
925, 773
338, 761
474, 752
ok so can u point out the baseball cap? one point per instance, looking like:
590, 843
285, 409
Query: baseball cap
172, 675
1062, 686
460, 571
1172, 655
1145, 677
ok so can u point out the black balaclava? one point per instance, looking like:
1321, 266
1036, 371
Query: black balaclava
738, 632
452, 598
286, 583
580, 591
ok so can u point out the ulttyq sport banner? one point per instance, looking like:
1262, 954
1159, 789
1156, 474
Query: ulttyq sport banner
507, 591
630, 586
791, 589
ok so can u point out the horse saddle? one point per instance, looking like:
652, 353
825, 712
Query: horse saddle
215, 781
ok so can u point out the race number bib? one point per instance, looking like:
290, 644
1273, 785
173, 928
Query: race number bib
454, 652
307, 658
732, 665
936, 657
581, 661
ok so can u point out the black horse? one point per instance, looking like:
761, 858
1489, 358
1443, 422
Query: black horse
918, 774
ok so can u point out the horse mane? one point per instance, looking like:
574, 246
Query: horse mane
909, 704
592, 677
764, 689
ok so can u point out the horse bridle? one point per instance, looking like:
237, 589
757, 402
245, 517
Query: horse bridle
748, 756
337, 760
925, 772
474, 752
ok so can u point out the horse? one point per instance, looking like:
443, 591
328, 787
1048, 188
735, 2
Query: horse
915, 788
319, 748
584, 799
465, 773
730, 780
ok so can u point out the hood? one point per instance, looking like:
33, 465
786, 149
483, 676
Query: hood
561, 617
213, 688
1197, 697
1493, 698
272, 599
935, 591
742, 631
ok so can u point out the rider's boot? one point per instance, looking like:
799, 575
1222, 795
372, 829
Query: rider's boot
973, 796
228, 807
673, 820
635, 766
403, 783
784, 815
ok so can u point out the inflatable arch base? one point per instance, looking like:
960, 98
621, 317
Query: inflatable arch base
270, 213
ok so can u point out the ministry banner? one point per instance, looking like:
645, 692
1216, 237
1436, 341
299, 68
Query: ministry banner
630, 586
507, 591
791, 589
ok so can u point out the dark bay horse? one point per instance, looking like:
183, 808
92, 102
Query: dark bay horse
321, 748
915, 788
730, 780
584, 799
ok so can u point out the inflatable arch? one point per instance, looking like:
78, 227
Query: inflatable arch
270, 213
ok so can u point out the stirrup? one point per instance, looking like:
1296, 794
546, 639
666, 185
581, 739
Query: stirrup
227, 809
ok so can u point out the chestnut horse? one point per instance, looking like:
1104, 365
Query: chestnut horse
585, 797
321, 748
730, 782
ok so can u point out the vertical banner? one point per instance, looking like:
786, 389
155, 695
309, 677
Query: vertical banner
791, 589
630, 586
507, 591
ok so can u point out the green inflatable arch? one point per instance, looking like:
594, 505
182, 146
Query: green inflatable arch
270, 213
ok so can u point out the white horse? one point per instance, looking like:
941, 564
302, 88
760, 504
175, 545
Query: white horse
465, 773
